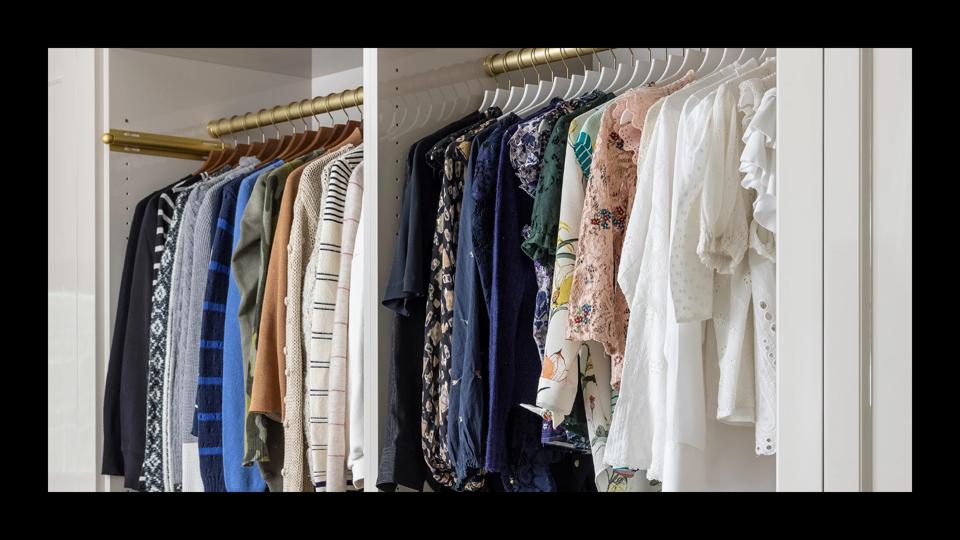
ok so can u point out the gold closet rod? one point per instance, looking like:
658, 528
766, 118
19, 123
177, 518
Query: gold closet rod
496, 64
282, 113
154, 144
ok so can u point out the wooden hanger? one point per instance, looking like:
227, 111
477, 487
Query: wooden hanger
269, 145
296, 140
208, 163
320, 138
349, 127
284, 141
308, 135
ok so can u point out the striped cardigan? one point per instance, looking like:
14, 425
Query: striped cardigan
306, 213
321, 380
343, 368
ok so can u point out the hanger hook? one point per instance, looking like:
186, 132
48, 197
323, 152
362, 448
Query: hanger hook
563, 58
306, 127
650, 54
581, 60
633, 58
313, 113
520, 63
263, 136
340, 105
286, 113
245, 115
533, 64
503, 67
234, 133
615, 59
273, 121
356, 103
326, 105
546, 56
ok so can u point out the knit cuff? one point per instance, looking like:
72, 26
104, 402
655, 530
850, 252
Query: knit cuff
255, 440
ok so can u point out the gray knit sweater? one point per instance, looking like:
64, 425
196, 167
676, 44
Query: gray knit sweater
188, 353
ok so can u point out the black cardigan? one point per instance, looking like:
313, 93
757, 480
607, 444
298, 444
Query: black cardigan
125, 393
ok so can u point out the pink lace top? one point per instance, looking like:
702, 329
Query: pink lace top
598, 309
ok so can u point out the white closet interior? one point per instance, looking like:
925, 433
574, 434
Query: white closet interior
407, 94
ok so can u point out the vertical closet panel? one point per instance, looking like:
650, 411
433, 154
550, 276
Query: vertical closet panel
842, 284
892, 393
800, 269
72, 437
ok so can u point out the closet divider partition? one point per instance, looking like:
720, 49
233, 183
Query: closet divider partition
406, 94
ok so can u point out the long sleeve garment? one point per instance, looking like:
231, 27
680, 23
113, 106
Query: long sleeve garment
449, 155
758, 162
513, 439
245, 267
157, 427
537, 150
238, 476
188, 362
268, 383
302, 247
465, 413
210, 368
324, 394
355, 333
121, 427
306, 216
180, 284
401, 459
643, 277
598, 309
338, 427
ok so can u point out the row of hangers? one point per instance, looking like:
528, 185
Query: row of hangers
617, 78
286, 147
440, 105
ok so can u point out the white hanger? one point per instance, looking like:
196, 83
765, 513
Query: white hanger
710, 62
590, 80
558, 86
729, 56
623, 72
768, 53
531, 95
577, 80
747, 54
673, 67
500, 95
640, 70
420, 118
691, 60
467, 95
408, 112
518, 93
657, 67
607, 74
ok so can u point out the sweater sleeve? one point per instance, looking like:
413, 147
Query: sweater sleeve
112, 454
133, 379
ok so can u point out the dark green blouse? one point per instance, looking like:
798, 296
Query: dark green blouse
541, 243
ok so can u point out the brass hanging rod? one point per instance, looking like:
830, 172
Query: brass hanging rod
283, 113
153, 144
496, 64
